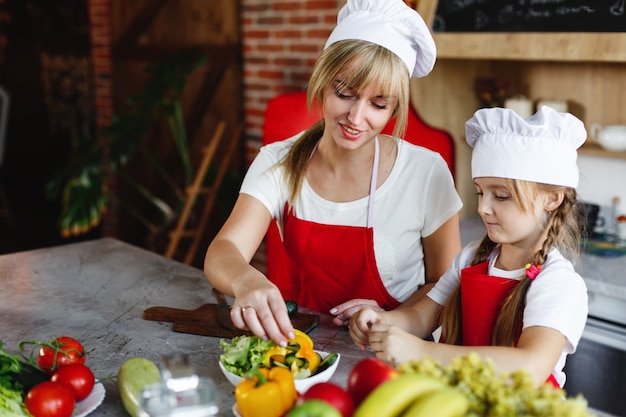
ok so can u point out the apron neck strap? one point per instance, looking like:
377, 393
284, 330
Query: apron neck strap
374, 180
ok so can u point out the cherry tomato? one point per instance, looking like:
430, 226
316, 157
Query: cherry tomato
77, 378
59, 352
49, 399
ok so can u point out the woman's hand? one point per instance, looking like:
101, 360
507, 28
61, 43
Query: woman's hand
260, 308
393, 345
344, 311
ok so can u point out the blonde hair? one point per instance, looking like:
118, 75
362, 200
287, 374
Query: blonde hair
563, 233
362, 64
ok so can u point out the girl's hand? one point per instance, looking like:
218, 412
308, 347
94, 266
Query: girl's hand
393, 345
360, 324
344, 311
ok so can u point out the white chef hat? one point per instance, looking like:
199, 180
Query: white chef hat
391, 24
539, 148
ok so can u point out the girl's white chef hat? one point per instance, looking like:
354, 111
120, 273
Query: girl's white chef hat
539, 148
391, 24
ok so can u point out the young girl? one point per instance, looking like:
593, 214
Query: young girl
513, 296
367, 219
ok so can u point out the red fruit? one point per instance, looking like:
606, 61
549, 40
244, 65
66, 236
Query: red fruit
77, 378
49, 399
333, 394
62, 351
366, 375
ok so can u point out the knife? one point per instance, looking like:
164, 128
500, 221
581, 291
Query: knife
223, 310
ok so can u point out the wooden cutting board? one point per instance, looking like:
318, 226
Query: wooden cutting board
203, 321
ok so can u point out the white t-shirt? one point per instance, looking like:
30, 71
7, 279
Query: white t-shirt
557, 298
413, 202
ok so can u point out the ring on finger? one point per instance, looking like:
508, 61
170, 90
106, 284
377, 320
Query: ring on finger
248, 307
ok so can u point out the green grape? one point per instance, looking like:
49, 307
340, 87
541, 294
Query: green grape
493, 394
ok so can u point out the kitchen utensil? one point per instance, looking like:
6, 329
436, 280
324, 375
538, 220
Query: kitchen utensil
612, 137
558, 105
223, 310
204, 321
520, 105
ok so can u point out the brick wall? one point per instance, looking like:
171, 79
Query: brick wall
281, 41
99, 17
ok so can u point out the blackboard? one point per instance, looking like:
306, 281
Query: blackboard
530, 16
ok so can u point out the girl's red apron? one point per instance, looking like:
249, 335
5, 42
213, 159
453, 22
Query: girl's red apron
482, 296
331, 264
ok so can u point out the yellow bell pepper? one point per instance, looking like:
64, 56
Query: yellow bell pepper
302, 339
268, 393
277, 353
312, 358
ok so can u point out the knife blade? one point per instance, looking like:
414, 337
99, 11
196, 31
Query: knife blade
223, 310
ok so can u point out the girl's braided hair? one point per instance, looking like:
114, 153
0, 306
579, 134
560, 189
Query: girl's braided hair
563, 233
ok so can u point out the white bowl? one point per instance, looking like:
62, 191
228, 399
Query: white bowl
301, 384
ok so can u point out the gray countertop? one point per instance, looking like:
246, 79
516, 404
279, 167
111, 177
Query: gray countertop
96, 292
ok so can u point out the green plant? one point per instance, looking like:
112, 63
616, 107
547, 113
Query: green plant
82, 185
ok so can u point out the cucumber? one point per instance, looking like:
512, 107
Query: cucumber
28, 376
133, 376
292, 307
326, 363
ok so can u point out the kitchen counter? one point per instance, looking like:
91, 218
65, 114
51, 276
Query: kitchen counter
96, 292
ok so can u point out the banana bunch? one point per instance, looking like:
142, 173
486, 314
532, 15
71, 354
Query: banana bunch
413, 395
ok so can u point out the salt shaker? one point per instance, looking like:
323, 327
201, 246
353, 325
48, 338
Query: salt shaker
181, 392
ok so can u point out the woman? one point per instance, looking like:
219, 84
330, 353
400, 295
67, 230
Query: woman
366, 218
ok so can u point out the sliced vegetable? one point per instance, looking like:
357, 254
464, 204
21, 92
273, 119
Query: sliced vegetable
266, 393
244, 353
327, 362
133, 376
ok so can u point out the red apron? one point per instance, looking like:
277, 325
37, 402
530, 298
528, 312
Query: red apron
331, 264
482, 296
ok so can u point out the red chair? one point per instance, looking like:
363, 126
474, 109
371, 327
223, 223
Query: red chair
288, 114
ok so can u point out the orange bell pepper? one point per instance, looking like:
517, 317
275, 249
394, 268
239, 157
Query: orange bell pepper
267, 393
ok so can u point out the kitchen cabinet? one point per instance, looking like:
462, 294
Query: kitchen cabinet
588, 70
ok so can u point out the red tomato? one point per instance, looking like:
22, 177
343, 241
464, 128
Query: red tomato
49, 399
333, 394
59, 352
366, 375
77, 378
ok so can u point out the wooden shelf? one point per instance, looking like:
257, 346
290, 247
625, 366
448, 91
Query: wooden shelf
593, 149
554, 46
526, 46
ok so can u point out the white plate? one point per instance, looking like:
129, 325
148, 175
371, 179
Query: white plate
301, 384
93, 400
236, 410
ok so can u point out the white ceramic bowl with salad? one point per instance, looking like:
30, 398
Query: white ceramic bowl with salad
248, 352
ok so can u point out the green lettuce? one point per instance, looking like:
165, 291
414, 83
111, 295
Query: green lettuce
11, 404
244, 353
